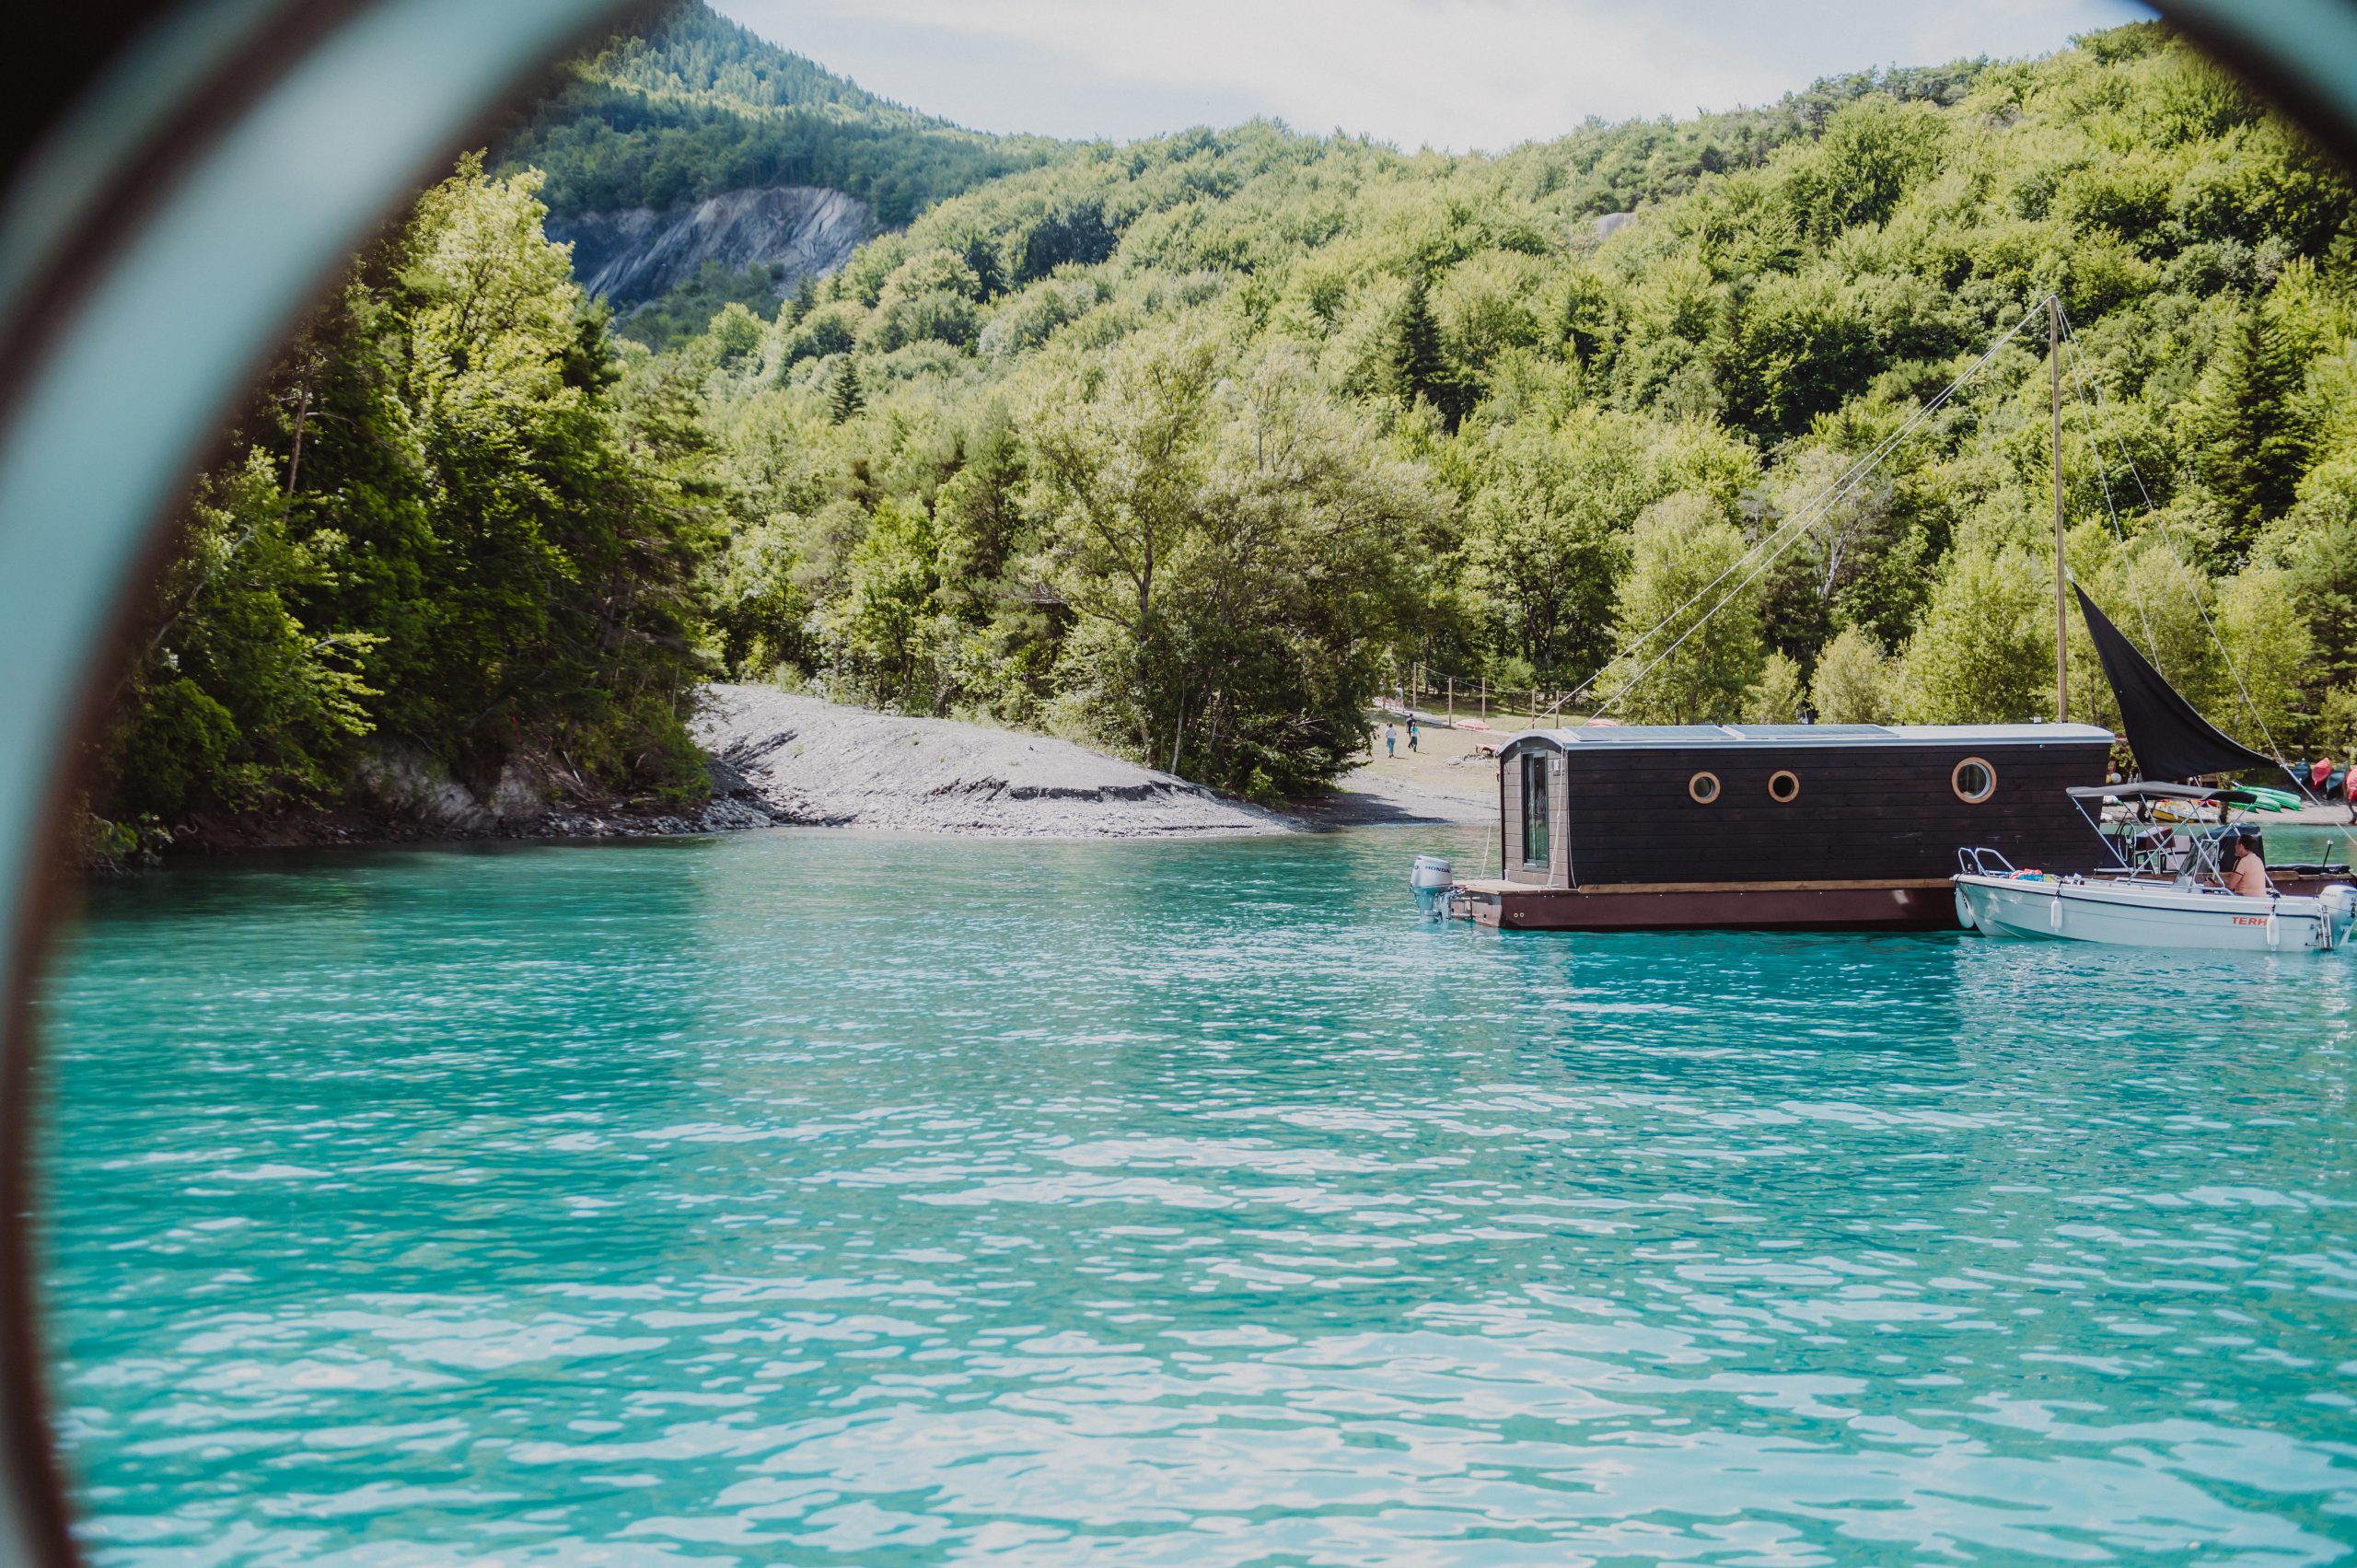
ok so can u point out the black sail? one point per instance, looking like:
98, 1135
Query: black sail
2170, 739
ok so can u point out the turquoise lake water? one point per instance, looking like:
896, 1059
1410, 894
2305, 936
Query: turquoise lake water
796, 1198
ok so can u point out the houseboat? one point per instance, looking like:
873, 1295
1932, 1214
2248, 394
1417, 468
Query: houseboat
1826, 827
1611, 826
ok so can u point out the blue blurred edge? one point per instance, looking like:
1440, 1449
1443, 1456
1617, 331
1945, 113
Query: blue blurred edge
183, 299
312, 120
2301, 53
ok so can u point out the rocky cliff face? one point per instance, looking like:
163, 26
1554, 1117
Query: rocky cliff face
639, 253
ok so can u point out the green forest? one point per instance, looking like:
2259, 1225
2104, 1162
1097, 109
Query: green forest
453, 519
1185, 447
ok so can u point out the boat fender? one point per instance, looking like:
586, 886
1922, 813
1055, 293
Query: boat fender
1964, 911
2274, 930
2054, 916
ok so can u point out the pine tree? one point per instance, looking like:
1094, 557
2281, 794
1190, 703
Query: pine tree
844, 400
1418, 367
805, 300
2251, 437
981, 256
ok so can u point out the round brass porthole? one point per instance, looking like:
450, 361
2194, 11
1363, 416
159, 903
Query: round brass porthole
1974, 780
1783, 786
1703, 788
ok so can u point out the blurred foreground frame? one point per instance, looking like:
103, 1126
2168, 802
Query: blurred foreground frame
195, 173
181, 180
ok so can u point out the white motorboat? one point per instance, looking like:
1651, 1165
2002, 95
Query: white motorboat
2169, 892
2140, 912
2167, 887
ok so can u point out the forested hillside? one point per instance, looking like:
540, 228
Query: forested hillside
1184, 447
451, 533
1180, 445
695, 104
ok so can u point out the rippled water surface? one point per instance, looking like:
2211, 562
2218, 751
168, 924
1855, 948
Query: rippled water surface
804, 1198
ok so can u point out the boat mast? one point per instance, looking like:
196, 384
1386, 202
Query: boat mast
2062, 612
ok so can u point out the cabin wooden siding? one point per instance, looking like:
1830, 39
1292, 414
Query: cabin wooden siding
1623, 814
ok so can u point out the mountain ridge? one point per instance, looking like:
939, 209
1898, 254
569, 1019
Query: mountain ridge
690, 107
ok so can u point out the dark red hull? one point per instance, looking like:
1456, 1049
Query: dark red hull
1913, 905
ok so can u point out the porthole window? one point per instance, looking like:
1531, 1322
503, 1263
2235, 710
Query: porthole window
1783, 786
1703, 787
1974, 780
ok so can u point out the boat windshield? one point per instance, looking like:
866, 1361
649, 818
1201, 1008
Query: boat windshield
2184, 852
2171, 831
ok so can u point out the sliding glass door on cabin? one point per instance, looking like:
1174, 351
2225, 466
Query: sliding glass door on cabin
1535, 816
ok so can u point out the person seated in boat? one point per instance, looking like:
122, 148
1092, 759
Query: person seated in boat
2246, 865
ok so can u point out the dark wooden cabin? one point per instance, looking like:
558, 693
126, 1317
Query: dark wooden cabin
1803, 825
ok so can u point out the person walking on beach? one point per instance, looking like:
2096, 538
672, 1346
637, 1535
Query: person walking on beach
1411, 732
1391, 741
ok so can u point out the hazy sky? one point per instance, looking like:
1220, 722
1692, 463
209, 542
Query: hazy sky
1453, 73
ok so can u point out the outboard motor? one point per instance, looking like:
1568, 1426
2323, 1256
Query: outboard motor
1432, 880
2340, 902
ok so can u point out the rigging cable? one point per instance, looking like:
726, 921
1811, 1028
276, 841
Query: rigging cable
1848, 482
2083, 382
2103, 478
2168, 541
1806, 513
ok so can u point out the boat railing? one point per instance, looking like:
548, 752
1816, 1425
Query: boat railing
1974, 860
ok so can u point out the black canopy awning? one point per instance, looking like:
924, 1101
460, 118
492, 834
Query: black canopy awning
2170, 739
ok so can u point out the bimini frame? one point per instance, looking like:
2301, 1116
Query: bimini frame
2202, 847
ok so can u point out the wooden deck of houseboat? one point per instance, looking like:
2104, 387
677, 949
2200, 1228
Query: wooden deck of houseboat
1898, 904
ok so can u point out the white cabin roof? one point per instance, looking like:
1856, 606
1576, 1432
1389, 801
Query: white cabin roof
1685, 736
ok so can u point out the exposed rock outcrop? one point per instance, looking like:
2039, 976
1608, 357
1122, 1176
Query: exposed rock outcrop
639, 253
401, 793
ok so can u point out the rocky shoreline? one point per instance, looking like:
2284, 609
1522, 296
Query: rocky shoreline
778, 759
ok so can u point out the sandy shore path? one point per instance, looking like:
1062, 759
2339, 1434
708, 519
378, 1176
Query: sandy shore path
1445, 779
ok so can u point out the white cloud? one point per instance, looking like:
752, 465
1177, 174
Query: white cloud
1446, 72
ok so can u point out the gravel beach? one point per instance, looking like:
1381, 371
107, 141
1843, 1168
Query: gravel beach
778, 759
810, 762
